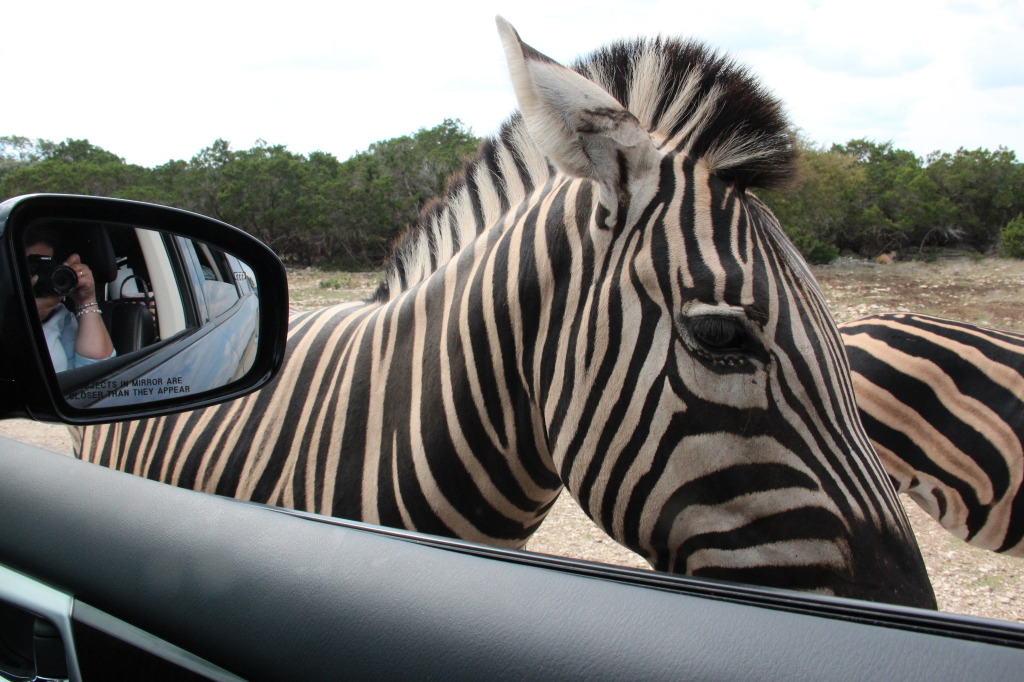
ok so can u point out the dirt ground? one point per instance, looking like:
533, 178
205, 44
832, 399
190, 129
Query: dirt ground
966, 580
982, 291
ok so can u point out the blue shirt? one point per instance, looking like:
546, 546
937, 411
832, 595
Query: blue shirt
61, 330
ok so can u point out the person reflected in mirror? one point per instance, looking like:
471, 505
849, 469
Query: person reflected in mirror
74, 338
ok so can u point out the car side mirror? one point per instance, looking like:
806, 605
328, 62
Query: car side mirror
115, 309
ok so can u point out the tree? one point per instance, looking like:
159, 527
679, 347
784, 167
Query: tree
384, 188
869, 197
880, 221
983, 191
862, 196
1011, 242
818, 210
197, 184
81, 151
17, 152
70, 167
419, 165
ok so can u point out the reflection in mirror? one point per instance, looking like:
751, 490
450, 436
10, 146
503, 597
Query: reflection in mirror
65, 293
132, 315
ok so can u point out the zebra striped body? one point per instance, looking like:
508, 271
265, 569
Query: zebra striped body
596, 303
943, 402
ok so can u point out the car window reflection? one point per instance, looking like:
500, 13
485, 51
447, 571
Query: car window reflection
66, 276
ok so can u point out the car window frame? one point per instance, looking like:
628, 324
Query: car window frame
246, 594
187, 249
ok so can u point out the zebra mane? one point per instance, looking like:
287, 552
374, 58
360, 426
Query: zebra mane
690, 97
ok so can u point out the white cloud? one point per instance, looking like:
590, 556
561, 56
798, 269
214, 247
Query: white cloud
153, 83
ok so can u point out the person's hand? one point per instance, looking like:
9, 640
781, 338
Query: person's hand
85, 292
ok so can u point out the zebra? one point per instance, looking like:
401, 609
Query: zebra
943, 403
597, 302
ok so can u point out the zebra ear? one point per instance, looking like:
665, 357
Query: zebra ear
583, 130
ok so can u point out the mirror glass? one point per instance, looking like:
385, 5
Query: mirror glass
132, 315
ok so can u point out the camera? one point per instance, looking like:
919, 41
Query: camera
55, 278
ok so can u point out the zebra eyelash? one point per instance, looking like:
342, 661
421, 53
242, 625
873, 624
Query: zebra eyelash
725, 340
726, 362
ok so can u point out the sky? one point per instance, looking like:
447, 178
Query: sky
154, 82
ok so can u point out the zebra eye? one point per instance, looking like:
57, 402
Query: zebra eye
717, 333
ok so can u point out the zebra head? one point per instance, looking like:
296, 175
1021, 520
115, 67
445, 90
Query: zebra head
691, 384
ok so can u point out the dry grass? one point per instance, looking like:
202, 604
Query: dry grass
310, 288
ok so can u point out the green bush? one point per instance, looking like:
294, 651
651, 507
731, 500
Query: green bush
814, 250
1012, 238
340, 282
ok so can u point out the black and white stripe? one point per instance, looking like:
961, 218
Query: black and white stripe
943, 402
598, 303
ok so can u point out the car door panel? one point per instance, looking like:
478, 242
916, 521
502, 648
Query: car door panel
266, 595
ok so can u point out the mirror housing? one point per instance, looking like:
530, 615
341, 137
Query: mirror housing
183, 373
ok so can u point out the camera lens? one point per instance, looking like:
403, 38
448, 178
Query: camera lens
54, 279
63, 280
